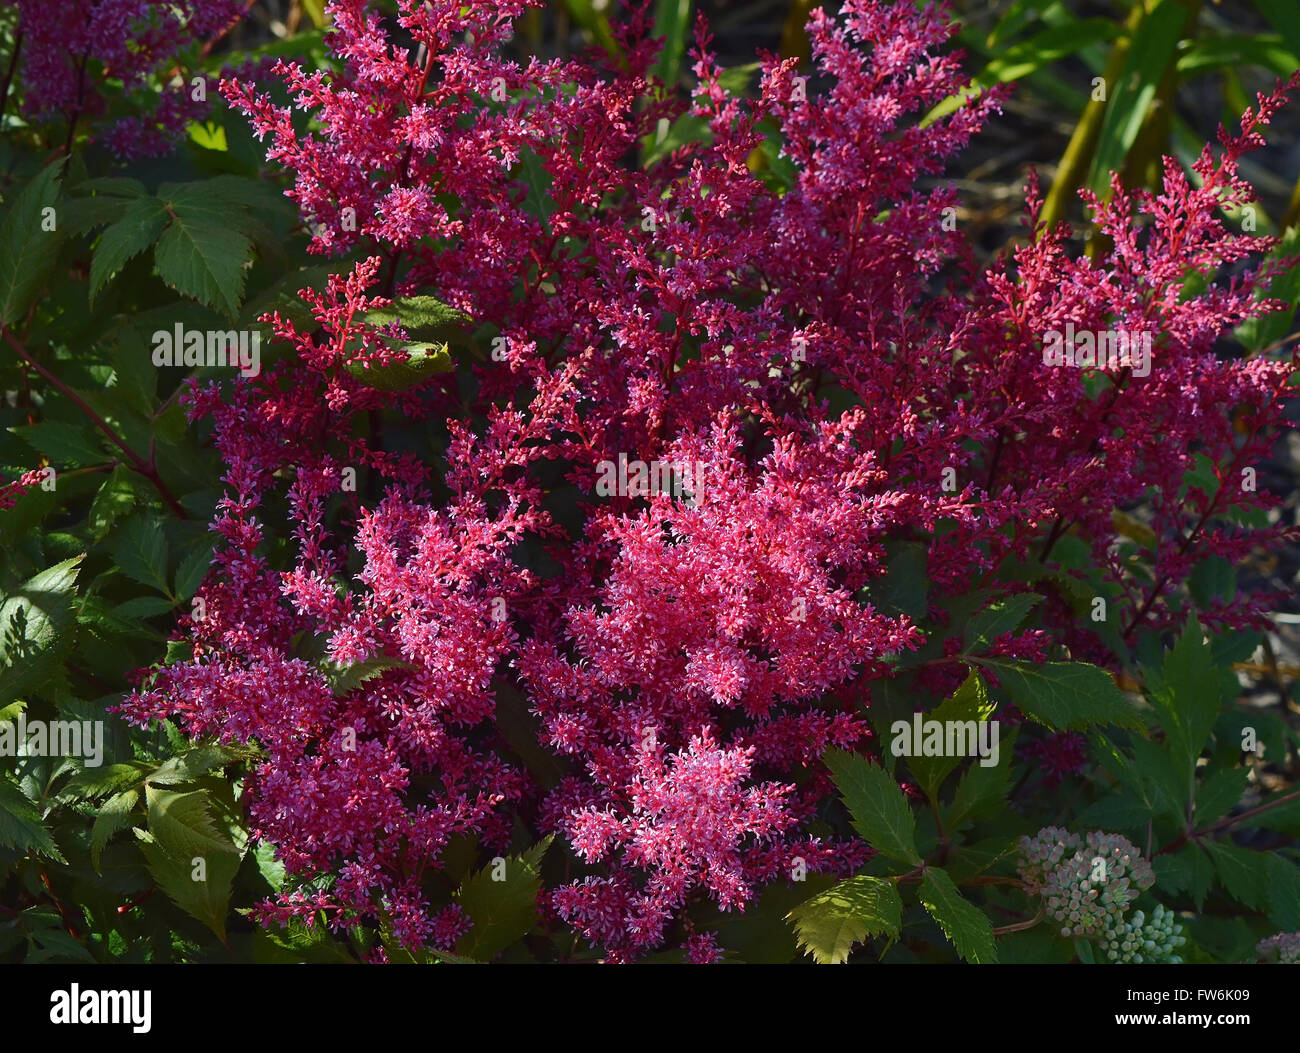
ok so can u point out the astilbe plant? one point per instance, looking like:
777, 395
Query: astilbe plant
74, 52
687, 661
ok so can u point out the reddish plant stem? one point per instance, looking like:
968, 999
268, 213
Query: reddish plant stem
1224, 824
146, 468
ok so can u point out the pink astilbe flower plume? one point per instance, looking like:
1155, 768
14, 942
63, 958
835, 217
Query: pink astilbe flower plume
810, 357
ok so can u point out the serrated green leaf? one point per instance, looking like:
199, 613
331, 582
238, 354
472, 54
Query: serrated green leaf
1004, 616
343, 679
202, 253
418, 316
190, 765
904, 588
831, 922
21, 827
538, 179
206, 898
27, 252
970, 706
192, 570
182, 824
1189, 702
140, 551
1116, 813
115, 814
143, 607
66, 445
1065, 695
879, 811
1219, 791
102, 782
502, 911
1162, 780
1241, 872
115, 499
423, 360
1282, 879
983, 789
35, 624
965, 925
140, 226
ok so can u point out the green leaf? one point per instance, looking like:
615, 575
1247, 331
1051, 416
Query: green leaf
297, 943
66, 445
1020, 60
140, 550
423, 360
1120, 812
203, 251
35, 624
190, 765
419, 316
114, 815
1241, 872
101, 782
1282, 878
1189, 701
537, 201
1065, 695
969, 705
904, 589
143, 607
1197, 870
830, 923
115, 499
193, 569
1282, 17
1213, 578
970, 860
1163, 781
502, 911
343, 679
27, 252
879, 811
1219, 792
140, 226
1002, 617
182, 825
21, 827
983, 789
673, 22
1153, 49
202, 892
962, 922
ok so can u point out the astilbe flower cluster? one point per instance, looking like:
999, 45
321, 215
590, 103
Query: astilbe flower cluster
11, 491
1140, 940
686, 661
71, 50
1283, 949
1087, 883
